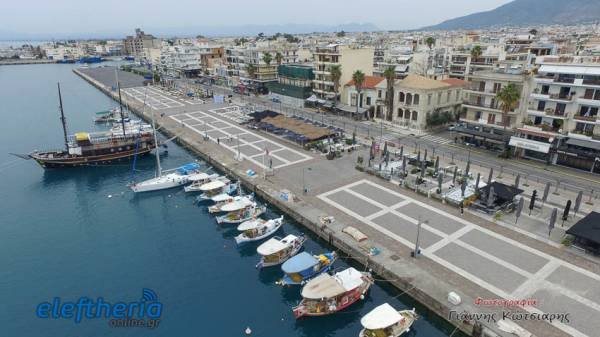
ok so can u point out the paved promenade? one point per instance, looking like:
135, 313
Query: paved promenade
467, 254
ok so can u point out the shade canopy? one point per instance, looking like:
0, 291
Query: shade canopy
213, 185
502, 191
187, 168
236, 205
322, 286
250, 224
587, 228
275, 245
299, 263
381, 317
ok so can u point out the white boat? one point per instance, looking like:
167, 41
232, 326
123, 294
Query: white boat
248, 213
232, 204
199, 179
257, 229
216, 187
384, 320
167, 179
110, 116
276, 251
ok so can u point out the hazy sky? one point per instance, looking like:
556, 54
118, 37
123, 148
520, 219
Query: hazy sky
63, 16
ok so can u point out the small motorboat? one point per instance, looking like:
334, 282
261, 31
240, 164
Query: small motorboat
251, 212
257, 229
167, 179
232, 204
199, 179
110, 116
276, 251
384, 320
304, 266
216, 187
327, 294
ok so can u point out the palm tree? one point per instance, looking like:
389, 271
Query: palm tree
359, 79
278, 58
336, 75
390, 76
251, 70
430, 41
267, 58
476, 51
508, 97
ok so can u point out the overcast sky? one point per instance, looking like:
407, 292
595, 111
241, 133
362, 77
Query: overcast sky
65, 16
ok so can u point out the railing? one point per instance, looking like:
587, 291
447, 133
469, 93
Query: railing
586, 118
562, 97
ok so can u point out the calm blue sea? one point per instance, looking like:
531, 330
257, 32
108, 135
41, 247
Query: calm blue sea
80, 232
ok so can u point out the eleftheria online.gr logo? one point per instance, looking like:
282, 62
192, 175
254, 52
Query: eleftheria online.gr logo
145, 312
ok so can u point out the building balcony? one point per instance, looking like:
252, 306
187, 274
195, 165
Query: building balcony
325, 82
588, 101
482, 106
587, 119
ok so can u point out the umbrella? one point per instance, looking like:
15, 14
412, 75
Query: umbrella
546, 191
489, 182
454, 175
467, 169
401, 150
532, 202
477, 182
578, 202
387, 159
437, 164
422, 169
517, 180
425, 156
404, 165
419, 157
552, 220
353, 138
440, 181
491, 197
566, 211
385, 149
463, 187
519, 208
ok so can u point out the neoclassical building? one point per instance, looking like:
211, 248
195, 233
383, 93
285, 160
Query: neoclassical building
416, 96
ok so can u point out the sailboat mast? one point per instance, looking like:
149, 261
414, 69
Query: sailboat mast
120, 101
158, 168
63, 120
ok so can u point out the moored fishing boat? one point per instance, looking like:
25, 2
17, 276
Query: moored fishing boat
167, 179
301, 268
248, 213
257, 229
200, 179
219, 186
232, 204
276, 250
327, 294
385, 321
110, 116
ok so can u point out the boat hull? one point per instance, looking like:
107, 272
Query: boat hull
166, 183
242, 238
79, 161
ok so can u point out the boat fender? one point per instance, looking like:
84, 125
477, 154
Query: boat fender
362, 297
248, 331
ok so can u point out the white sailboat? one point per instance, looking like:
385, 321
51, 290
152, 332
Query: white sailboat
257, 229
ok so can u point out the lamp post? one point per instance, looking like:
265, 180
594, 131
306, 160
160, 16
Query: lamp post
417, 251
304, 189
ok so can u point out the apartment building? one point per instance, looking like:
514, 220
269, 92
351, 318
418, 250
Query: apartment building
180, 60
371, 97
416, 97
461, 64
562, 113
398, 57
134, 45
349, 57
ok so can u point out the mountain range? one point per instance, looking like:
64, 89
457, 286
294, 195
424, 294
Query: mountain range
527, 13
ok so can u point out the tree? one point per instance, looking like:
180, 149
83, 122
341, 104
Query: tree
390, 76
476, 51
278, 57
251, 70
341, 34
533, 31
267, 58
508, 97
336, 75
430, 41
359, 79
260, 35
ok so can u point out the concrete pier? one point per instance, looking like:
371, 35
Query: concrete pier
455, 255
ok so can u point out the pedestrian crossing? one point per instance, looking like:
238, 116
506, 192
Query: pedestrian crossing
436, 139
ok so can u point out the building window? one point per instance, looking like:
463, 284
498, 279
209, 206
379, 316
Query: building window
368, 100
448, 97
429, 99
400, 113
477, 115
408, 99
400, 97
416, 99
439, 98
378, 93
415, 115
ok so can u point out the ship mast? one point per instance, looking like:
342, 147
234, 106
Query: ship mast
120, 101
63, 120
158, 168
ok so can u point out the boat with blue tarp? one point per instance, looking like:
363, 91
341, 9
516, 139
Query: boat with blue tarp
304, 266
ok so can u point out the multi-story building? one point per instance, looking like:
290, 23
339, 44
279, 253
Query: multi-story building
399, 58
180, 60
350, 58
416, 97
371, 95
134, 45
294, 80
563, 110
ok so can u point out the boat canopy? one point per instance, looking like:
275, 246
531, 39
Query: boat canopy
250, 224
199, 176
213, 185
81, 136
271, 247
322, 287
299, 263
381, 317
349, 278
187, 168
221, 197
236, 205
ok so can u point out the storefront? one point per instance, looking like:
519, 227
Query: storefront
533, 143
489, 138
583, 154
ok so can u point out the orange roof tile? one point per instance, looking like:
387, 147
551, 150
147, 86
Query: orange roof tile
370, 82
455, 82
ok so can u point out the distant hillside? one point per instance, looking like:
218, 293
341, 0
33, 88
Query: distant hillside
528, 12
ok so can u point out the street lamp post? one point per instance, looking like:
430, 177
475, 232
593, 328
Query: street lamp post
304, 189
417, 251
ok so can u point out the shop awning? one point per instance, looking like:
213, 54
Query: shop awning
529, 144
590, 144
350, 109
587, 228
503, 191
